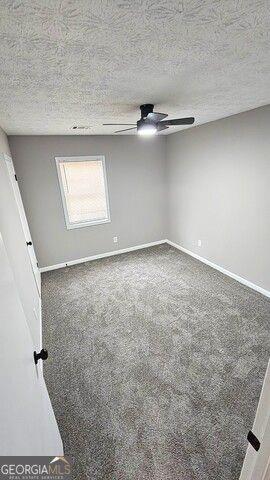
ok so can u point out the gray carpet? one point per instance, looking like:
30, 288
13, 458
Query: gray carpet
155, 368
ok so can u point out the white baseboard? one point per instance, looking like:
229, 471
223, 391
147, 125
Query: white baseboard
101, 255
159, 242
222, 270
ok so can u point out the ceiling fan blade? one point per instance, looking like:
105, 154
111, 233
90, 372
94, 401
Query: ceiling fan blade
179, 121
119, 124
126, 129
161, 127
156, 117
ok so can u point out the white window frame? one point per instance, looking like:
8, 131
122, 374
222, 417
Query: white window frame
92, 158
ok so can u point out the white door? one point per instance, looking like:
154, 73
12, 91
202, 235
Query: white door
28, 425
26, 231
257, 462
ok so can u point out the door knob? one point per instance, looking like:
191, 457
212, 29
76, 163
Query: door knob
29, 244
43, 354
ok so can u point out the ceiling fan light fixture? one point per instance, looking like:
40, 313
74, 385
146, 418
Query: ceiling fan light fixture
147, 130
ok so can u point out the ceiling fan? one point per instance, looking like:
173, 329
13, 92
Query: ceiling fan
152, 122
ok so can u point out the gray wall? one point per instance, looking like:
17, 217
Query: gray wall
135, 172
218, 180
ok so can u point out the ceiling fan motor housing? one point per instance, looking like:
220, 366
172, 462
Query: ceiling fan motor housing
146, 109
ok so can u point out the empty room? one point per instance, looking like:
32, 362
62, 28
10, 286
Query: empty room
135, 240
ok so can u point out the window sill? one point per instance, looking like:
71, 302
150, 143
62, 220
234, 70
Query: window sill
71, 226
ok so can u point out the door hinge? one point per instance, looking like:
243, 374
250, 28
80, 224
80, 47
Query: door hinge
37, 264
253, 440
15, 177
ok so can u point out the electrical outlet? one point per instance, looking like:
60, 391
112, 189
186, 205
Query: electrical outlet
199, 243
115, 239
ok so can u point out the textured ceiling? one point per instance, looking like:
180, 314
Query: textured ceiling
86, 62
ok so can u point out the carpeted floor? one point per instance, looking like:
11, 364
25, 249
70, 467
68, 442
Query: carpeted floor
155, 366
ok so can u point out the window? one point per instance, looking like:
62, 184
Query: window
84, 191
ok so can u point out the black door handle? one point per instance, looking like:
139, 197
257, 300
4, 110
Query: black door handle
43, 354
253, 440
29, 244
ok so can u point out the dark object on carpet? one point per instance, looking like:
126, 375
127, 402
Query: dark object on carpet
156, 362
